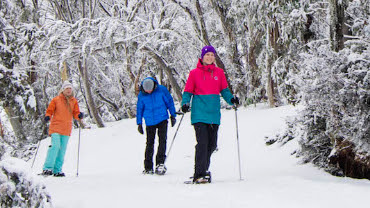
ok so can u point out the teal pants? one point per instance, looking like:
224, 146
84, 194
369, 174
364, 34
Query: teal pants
55, 157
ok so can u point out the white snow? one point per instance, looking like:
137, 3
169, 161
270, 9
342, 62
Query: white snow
20, 102
31, 99
111, 162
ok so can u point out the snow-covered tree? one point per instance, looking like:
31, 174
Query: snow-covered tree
17, 96
334, 128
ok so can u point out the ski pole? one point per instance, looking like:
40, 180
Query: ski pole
38, 145
78, 151
36, 153
237, 140
174, 136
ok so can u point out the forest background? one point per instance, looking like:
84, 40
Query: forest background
314, 53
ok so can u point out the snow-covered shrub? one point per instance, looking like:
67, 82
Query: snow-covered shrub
335, 124
334, 128
19, 188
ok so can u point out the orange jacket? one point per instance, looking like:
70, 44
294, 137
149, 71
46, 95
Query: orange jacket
61, 115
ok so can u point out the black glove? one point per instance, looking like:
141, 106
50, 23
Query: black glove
80, 115
140, 129
46, 119
235, 100
185, 108
173, 121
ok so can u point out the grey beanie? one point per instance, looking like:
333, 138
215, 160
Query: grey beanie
148, 84
66, 85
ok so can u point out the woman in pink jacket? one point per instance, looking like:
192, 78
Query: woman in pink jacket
203, 88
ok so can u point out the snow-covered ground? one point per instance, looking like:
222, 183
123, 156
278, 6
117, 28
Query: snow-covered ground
111, 162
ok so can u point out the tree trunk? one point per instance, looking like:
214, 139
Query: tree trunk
83, 9
337, 21
137, 79
255, 80
1, 130
227, 25
269, 61
270, 85
90, 101
129, 63
64, 72
16, 123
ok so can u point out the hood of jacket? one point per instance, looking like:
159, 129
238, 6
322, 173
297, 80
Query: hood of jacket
208, 68
155, 84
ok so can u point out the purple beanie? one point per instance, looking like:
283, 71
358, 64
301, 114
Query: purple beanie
207, 49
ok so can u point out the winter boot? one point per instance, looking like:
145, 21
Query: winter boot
201, 180
160, 169
208, 176
60, 174
46, 173
148, 172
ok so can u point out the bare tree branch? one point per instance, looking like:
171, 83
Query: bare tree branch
162, 63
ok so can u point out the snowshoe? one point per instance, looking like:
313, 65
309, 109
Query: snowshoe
160, 169
60, 174
46, 173
148, 172
201, 180
208, 176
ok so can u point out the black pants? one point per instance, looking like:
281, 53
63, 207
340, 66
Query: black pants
206, 143
149, 150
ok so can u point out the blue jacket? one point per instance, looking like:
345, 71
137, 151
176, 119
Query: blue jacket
153, 107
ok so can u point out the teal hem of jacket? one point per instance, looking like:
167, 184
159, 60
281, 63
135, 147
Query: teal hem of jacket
206, 108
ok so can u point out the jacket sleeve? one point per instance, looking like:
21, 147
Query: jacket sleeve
186, 98
169, 102
139, 110
226, 94
76, 110
189, 90
225, 91
51, 108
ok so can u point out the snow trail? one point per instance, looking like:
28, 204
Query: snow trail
111, 162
